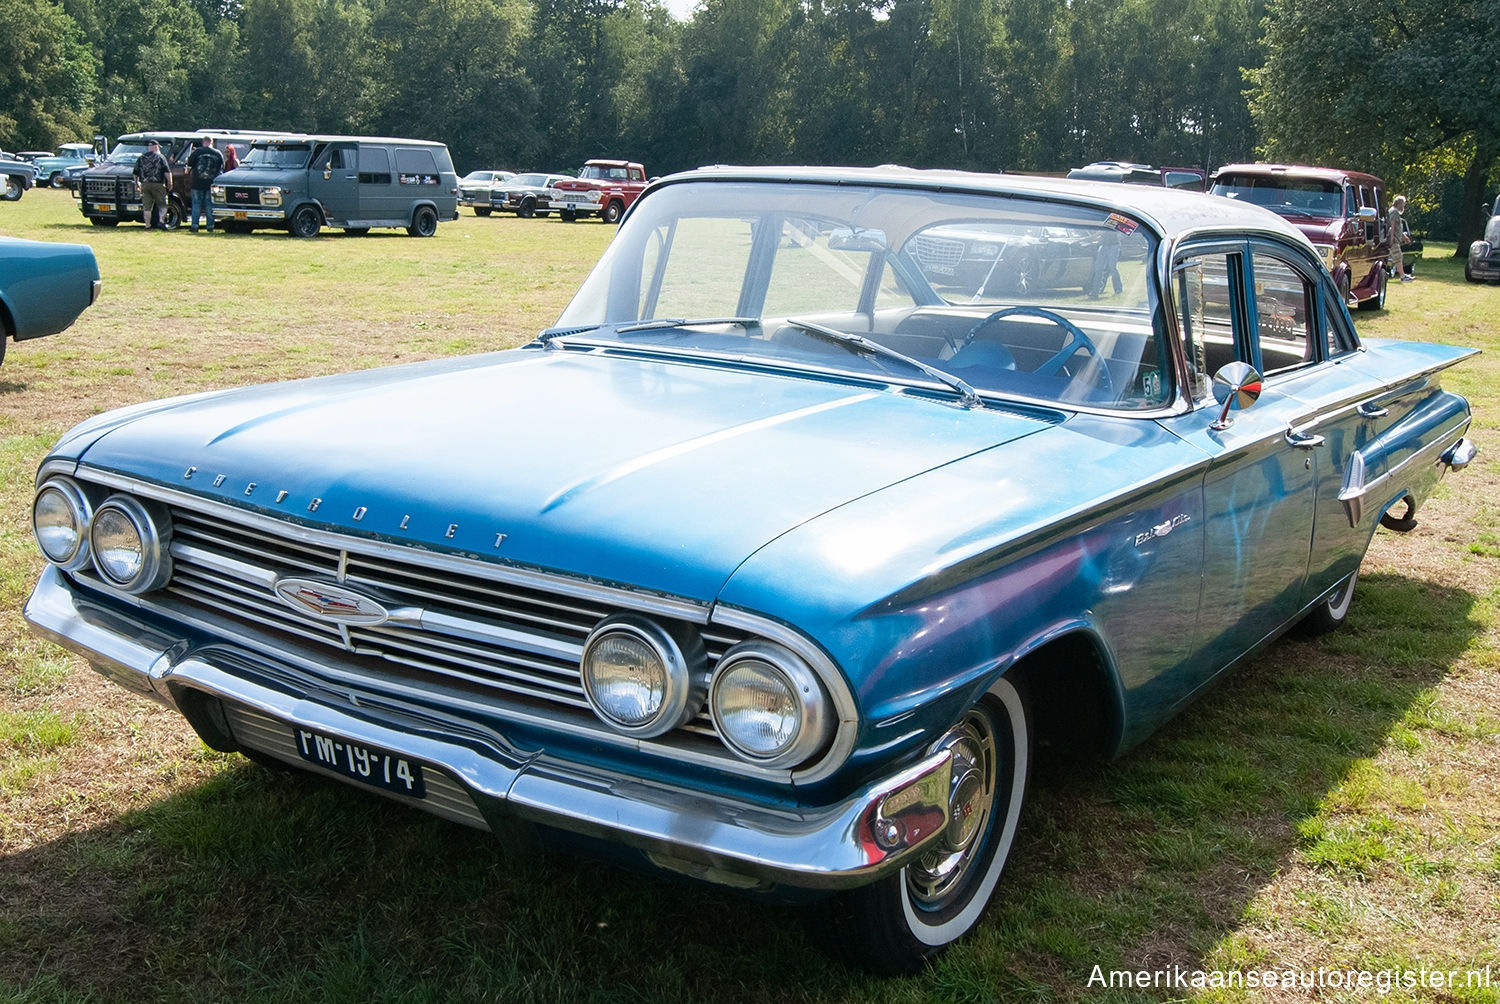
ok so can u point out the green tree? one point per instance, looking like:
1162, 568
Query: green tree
48, 89
1385, 85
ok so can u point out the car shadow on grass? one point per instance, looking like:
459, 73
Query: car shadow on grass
259, 884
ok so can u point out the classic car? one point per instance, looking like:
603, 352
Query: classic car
43, 287
1483, 263
52, 169
813, 561
1342, 212
526, 195
475, 187
1192, 178
17, 175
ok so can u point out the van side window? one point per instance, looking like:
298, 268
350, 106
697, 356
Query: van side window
374, 166
336, 158
416, 167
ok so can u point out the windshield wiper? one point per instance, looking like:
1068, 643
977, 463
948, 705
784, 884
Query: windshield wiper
865, 346
657, 323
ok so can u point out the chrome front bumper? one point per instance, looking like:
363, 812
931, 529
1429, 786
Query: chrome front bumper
484, 780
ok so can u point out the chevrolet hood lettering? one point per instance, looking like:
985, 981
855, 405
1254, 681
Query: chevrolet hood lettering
327, 601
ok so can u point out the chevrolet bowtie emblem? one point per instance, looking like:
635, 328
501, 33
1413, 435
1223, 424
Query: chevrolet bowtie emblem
328, 601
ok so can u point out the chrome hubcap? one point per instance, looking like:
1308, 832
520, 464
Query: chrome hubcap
971, 800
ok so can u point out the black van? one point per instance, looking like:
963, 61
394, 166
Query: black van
304, 183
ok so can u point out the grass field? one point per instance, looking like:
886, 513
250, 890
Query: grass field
1332, 809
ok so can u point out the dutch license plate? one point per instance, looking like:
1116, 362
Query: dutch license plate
103, 208
362, 763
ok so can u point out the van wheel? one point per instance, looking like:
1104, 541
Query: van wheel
174, 215
900, 922
305, 223
613, 210
423, 222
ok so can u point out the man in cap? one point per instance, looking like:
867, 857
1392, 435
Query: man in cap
154, 174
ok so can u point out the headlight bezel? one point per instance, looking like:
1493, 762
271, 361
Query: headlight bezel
152, 528
684, 672
81, 509
815, 717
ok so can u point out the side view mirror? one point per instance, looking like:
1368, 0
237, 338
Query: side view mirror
1235, 385
1367, 214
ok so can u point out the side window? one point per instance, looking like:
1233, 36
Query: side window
336, 159
374, 165
1284, 315
416, 167
1331, 328
1208, 298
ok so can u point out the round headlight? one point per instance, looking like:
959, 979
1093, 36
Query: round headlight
60, 519
637, 678
129, 544
768, 705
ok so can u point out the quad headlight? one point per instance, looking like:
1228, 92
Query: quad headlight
768, 705
60, 517
129, 542
639, 680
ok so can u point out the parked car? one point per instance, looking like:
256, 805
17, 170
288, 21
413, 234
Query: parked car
1342, 212
526, 195
1483, 263
43, 287
304, 183
476, 189
51, 169
18, 176
813, 562
1191, 178
604, 188
108, 193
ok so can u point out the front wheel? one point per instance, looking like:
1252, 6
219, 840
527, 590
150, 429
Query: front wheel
174, 216
897, 924
306, 222
56, 180
13, 190
613, 211
527, 209
1376, 302
482, 210
423, 222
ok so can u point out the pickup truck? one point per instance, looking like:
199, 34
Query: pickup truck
16, 176
605, 188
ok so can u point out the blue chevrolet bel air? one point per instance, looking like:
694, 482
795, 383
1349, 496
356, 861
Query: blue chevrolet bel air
831, 496
43, 287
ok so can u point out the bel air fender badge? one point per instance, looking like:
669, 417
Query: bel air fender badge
329, 602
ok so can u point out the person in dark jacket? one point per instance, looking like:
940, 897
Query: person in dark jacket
204, 165
154, 175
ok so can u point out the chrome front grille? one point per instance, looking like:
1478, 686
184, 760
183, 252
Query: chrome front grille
512, 647
934, 253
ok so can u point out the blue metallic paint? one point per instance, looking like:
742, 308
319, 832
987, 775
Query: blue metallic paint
44, 286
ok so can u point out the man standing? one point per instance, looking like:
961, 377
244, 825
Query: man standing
205, 163
1395, 226
154, 174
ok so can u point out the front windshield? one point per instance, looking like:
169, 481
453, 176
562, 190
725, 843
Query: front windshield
281, 156
127, 153
1006, 296
1286, 196
530, 181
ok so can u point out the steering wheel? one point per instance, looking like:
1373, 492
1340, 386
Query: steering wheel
1077, 340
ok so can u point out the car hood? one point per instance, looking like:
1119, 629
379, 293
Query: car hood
661, 474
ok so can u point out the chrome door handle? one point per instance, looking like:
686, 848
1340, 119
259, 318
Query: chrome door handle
1373, 411
1302, 440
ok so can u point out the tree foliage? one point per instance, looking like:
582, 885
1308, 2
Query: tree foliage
1395, 86
1018, 85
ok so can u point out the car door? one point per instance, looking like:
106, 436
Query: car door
333, 180
1259, 489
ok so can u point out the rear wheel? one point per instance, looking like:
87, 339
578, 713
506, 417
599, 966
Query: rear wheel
1330, 613
897, 924
423, 222
305, 222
